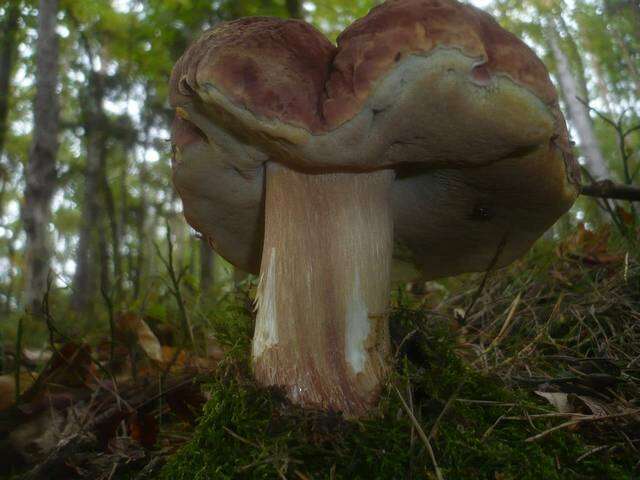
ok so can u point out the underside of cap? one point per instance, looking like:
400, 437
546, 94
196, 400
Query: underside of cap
220, 200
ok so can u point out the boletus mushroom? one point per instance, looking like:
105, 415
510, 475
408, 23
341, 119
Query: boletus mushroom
428, 125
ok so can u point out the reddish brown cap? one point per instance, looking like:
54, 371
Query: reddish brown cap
463, 111
375, 44
273, 68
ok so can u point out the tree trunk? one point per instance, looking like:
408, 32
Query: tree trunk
628, 60
206, 266
7, 52
141, 219
603, 88
294, 8
578, 112
629, 9
41, 169
578, 69
86, 276
114, 230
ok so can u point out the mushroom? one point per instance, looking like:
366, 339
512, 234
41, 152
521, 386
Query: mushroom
428, 125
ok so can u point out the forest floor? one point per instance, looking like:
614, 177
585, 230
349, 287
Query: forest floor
528, 372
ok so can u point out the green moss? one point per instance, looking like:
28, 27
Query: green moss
253, 433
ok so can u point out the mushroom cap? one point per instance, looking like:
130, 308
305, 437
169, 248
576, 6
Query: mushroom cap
461, 109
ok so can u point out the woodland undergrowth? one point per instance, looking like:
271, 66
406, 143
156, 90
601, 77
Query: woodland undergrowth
527, 372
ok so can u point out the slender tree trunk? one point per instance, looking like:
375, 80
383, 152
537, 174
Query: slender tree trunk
141, 220
86, 277
124, 216
11, 253
114, 230
7, 53
294, 8
578, 112
41, 170
206, 266
616, 9
628, 60
603, 88
578, 69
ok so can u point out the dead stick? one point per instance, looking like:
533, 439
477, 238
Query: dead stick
611, 190
589, 418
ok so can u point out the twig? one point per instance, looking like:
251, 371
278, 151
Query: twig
239, 438
510, 313
434, 428
622, 135
615, 216
491, 266
112, 325
609, 190
53, 330
18, 359
506, 324
67, 447
175, 283
412, 437
176, 291
486, 402
421, 434
588, 418
591, 452
494, 425
572, 415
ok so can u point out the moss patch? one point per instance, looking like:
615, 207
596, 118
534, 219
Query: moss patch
253, 433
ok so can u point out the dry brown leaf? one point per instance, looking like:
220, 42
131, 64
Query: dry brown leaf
7, 391
144, 429
559, 400
169, 352
148, 341
596, 407
131, 329
626, 217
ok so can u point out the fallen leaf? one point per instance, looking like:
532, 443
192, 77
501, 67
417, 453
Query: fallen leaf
626, 217
7, 391
596, 407
148, 341
144, 429
131, 330
559, 400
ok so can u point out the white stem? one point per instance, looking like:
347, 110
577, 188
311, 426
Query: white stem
321, 329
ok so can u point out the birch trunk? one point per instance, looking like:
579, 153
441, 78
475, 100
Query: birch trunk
41, 169
578, 112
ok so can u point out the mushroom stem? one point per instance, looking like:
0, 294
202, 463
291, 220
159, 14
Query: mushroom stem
321, 329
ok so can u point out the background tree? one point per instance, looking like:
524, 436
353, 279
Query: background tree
8, 49
41, 169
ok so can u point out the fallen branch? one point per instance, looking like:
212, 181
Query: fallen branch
610, 190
